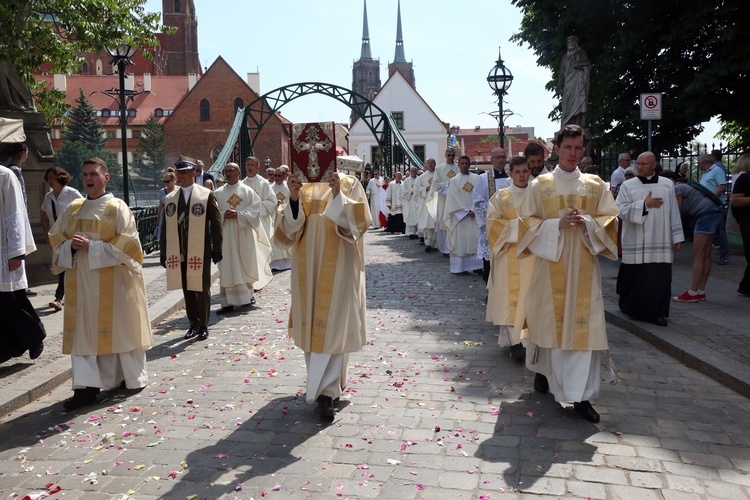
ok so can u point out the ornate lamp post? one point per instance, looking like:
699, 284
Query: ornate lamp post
499, 80
121, 57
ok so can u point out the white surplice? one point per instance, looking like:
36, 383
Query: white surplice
282, 258
246, 248
463, 231
410, 201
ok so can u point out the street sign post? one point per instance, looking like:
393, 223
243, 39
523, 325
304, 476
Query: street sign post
651, 110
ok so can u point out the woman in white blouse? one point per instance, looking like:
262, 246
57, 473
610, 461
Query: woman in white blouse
54, 204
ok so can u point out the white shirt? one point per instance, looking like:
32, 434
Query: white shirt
62, 200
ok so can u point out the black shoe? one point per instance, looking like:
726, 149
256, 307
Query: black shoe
36, 351
81, 397
252, 301
31, 293
429, 249
225, 310
659, 321
446, 255
203, 333
517, 352
325, 407
743, 292
479, 271
541, 384
192, 332
587, 411
421, 241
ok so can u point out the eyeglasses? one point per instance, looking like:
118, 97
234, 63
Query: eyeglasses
229, 171
279, 175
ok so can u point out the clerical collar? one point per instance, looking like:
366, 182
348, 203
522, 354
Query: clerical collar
561, 171
654, 179
186, 192
499, 174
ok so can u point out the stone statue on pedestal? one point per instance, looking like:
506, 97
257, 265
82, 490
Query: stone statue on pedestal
573, 85
14, 93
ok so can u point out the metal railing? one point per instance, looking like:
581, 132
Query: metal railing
145, 220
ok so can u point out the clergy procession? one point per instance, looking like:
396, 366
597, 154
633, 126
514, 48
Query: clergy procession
532, 242
533, 235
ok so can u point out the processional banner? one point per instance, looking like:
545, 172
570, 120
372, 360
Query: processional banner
313, 150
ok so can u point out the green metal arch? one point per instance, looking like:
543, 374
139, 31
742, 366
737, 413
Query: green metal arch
380, 123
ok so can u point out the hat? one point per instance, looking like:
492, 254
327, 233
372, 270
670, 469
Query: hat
185, 163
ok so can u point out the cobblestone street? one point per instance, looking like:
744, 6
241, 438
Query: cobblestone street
435, 409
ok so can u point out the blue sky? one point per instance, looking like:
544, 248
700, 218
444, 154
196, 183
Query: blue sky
453, 46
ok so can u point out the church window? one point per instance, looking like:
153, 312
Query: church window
369, 76
419, 151
205, 110
398, 117
177, 6
239, 103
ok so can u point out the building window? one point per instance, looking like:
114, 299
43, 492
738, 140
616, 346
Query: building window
239, 103
106, 113
419, 151
205, 110
215, 151
369, 76
136, 134
85, 69
158, 112
111, 134
131, 112
177, 6
398, 117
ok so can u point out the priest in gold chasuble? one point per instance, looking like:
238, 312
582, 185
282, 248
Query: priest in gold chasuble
568, 219
507, 281
324, 224
106, 327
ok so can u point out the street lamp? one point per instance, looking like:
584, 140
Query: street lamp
121, 57
267, 162
499, 80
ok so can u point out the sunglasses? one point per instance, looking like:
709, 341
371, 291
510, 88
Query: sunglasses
165, 181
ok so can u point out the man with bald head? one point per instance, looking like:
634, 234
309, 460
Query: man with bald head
651, 233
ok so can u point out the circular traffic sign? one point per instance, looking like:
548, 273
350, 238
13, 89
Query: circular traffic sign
651, 102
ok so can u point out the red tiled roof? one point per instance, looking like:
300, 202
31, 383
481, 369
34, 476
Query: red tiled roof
166, 93
479, 152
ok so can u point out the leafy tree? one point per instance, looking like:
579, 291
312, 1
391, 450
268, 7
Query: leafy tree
56, 31
83, 139
692, 50
151, 150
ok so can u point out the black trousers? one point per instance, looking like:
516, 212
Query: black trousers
745, 233
197, 304
60, 291
645, 290
22, 328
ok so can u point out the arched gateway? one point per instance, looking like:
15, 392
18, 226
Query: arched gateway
250, 121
